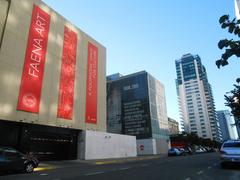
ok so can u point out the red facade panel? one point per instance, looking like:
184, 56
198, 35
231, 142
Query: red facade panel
33, 71
66, 90
92, 84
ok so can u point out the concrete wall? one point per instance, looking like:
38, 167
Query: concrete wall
162, 146
4, 4
12, 57
152, 146
146, 147
100, 145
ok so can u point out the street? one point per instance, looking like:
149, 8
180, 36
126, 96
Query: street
201, 166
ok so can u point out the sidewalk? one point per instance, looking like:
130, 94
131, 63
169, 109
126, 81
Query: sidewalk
121, 160
49, 165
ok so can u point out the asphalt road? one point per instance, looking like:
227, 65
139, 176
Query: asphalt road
195, 167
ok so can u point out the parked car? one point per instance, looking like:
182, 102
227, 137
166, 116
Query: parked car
188, 150
230, 152
13, 160
200, 150
174, 152
182, 151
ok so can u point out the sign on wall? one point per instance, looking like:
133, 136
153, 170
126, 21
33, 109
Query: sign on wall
66, 90
92, 80
33, 71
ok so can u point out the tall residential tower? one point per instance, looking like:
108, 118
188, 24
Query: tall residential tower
196, 103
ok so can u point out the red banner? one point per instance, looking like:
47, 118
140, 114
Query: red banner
32, 76
92, 80
66, 92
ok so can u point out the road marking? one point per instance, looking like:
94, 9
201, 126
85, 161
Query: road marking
94, 173
44, 168
144, 165
124, 168
106, 162
209, 167
188, 178
43, 174
199, 172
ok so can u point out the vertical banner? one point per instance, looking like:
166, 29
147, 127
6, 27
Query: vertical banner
66, 91
32, 76
92, 80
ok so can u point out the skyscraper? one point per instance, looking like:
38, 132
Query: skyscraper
226, 122
196, 103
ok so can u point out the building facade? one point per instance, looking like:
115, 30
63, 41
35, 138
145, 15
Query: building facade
237, 8
196, 103
136, 105
173, 126
52, 82
227, 126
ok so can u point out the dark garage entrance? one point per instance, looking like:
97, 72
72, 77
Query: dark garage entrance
45, 142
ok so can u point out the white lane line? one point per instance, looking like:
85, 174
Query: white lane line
188, 178
209, 167
43, 174
94, 173
124, 168
144, 165
199, 172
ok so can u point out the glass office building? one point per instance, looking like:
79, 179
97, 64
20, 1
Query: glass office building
136, 106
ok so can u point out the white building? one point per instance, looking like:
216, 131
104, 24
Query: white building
227, 126
196, 104
237, 7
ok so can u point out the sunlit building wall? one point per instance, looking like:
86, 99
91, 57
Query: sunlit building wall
237, 7
46, 70
52, 79
196, 104
227, 126
173, 126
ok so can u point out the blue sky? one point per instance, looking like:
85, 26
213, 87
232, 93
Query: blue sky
151, 35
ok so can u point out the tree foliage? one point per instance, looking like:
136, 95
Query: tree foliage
193, 139
231, 47
232, 101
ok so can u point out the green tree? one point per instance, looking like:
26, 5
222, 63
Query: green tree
193, 139
231, 47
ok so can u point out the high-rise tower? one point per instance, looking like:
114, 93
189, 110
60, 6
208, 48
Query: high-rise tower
196, 103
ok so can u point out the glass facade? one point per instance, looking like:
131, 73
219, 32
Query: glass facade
188, 70
136, 106
158, 109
